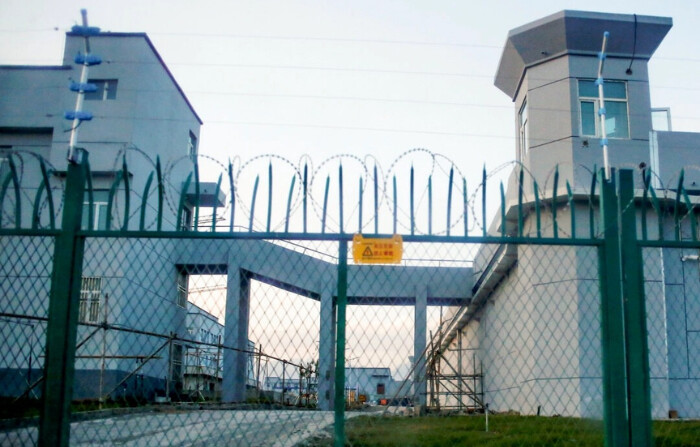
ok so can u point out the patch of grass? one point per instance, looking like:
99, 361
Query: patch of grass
22, 408
678, 433
504, 431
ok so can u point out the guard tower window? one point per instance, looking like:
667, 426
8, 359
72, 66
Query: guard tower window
616, 113
106, 89
522, 130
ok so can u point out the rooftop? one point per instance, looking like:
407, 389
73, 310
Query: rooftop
577, 33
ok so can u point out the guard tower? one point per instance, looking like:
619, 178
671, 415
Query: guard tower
548, 68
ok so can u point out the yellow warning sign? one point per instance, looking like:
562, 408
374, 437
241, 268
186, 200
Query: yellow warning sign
377, 250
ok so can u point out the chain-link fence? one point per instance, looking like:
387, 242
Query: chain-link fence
251, 338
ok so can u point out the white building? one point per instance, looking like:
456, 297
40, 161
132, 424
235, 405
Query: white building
534, 319
367, 384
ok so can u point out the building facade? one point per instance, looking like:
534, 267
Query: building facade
534, 319
140, 116
203, 360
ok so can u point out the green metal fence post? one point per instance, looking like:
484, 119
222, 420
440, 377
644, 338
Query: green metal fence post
612, 322
639, 404
61, 333
339, 421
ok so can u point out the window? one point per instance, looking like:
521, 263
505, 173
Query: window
99, 210
522, 130
4, 171
186, 218
380, 389
176, 362
661, 119
616, 115
4, 168
182, 288
4, 161
106, 89
90, 291
192, 146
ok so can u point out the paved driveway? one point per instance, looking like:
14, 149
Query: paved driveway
250, 428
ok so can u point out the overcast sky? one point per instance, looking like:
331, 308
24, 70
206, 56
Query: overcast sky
362, 77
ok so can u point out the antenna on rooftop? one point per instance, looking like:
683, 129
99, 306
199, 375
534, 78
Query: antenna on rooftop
601, 105
86, 60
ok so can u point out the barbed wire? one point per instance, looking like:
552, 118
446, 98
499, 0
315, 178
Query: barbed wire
437, 167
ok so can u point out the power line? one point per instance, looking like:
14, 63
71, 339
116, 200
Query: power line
340, 98
354, 128
348, 69
318, 39
329, 39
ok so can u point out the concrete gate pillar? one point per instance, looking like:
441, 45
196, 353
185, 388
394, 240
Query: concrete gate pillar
419, 341
326, 348
236, 335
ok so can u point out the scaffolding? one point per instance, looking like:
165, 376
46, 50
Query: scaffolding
452, 388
